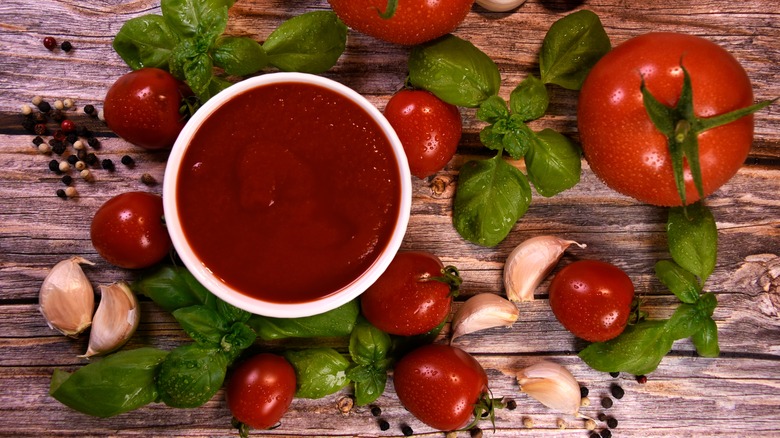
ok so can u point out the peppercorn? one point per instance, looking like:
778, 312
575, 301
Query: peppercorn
58, 135
511, 405
560, 423
584, 391
89, 109
44, 148
606, 402
68, 103
58, 104
384, 425
28, 124
61, 194
44, 106
594, 435
127, 160
407, 430
68, 126
641, 379
36, 100
57, 115
617, 391
614, 374
37, 140
40, 118
528, 422
148, 179
108, 165
26, 110
57, 146
80, 165
85, 132
72, 137
67, 179
66, 46
584, 402
54, 166
86, 175
91, 159
602, 416
40, 129
93, 142
590, 424
50, 43
64, 166
612, 422
475, 432
606, 433
376, 411
78, 145
71, 192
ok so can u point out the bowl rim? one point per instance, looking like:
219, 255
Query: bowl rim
255, 305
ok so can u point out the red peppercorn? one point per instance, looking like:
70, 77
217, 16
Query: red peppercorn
67, 126
50, 43
40, 129
641, 379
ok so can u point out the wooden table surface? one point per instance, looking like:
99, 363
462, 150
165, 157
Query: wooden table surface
735, 394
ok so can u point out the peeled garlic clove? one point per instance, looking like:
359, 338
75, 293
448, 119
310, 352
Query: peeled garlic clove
552, 385
115, 320
66, 298
500, 5
481, 312
530, 262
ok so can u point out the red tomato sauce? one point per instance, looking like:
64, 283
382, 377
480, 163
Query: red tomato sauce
288, 192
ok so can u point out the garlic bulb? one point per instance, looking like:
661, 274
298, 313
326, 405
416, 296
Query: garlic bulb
500, 5
553, 386
115, 320
66, 297
481, 312
530, 262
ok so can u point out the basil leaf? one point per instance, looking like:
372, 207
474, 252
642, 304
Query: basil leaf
517, 141
217, 85
191, 375
693, 239
202, 323
492, 109
707, 303
118, 383
309, 43
239, 338
553, 163
369, 347
337, 322
491, 196
231, 313
189, 18
571, 48
145, 41
681, 282
491, 138
686, 320
173, 287
455, 71
529, 100
706, 339
239, 56
638, 350
318, 371
198, 73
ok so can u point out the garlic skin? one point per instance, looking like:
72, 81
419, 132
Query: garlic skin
66, 297
116, 319
500, 5
553, 386
530, 262
483, 311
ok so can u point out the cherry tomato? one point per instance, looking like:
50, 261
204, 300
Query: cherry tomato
260, 390
128, 230
143, 108
592, 299
413, 22
620, 142
440, 385
412, 297
429, 129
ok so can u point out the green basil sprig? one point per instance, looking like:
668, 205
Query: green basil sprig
187, 40
493, 195
369, 348
692, 236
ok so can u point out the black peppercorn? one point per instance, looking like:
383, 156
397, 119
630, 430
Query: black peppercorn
108, 165
602, 416
91, 159
475, 432
54, 166
57, 146
72, 137
617, 391
61, 193
66, 46
127, 160
28, 124
384, 425
94, 143
612, 422
594, 435
376, 411
40, 118
57, 115
67, 179
89, 109
37, 140
72, 159
614, 374
407, 430
584, 391
82, 155
511, 405
44, 106
83, 131
606, 402
606, 433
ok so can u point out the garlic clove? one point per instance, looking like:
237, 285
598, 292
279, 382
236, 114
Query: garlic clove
530, 262
116, 319
483, 311
500, 5
553, 386
66, 297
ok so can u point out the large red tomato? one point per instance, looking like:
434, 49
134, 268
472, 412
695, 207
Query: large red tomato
619, 140
413, 22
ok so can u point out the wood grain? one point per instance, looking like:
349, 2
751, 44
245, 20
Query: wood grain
737, 393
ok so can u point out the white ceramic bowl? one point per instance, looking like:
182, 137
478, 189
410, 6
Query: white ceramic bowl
245, 301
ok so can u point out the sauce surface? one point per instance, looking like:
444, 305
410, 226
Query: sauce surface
288, 192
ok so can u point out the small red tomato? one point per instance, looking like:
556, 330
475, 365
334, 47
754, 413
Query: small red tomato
143, 108
592, 299
128, 230
412, 297
440, 385
413, 22
260, 390
429, 129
